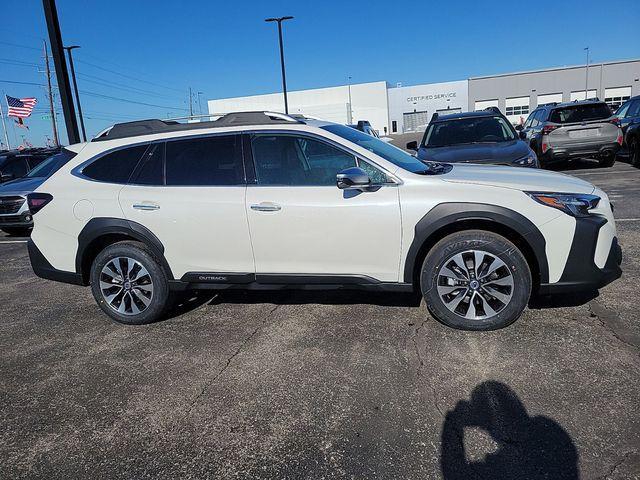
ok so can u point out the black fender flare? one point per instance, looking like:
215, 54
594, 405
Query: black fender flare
446, 214
101, 226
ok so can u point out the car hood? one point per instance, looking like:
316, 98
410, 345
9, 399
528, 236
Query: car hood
21, 186
527, 179
501, 152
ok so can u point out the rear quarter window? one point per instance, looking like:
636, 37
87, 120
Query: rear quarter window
115, 167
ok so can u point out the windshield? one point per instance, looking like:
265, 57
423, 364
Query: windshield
580, 113
51, 164
385, 150
468, 130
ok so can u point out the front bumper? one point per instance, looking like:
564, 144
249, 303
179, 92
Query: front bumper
581, 274
22, 220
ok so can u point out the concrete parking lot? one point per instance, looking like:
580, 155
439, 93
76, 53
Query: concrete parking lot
322, 385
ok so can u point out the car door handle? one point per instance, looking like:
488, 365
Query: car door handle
146, 206
266, 207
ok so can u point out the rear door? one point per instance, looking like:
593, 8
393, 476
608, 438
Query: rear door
191, 194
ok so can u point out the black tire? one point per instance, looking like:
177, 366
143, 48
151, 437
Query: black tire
634, 152
494, 247
607, 161
17, 231
133, 295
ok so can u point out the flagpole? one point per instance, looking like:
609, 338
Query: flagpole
4, 125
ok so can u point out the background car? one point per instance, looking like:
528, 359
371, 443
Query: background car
15, 217
474, 137
628, 116
17, 163
559, 132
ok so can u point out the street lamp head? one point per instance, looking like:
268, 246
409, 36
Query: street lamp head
71, 47
278, 19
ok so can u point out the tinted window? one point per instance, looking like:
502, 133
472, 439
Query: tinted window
385, 150
115, 167
291, 160
205, 161
51, 164
580, 113
468, 130
151, 170
634, 109
17, 167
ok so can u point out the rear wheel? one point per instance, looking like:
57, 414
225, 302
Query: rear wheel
607, 161
129, 284
476, 280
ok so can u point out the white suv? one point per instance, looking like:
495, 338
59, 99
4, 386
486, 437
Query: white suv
264, 200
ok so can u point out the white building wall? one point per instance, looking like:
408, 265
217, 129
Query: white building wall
415, 104
368, 102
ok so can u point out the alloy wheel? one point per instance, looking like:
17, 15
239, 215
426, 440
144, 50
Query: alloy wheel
475, 284
126, 285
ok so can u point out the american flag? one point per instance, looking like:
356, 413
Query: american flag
20, 107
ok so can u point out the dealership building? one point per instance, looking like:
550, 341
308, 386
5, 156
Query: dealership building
403, 109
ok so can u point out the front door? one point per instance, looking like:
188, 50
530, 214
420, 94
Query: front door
191, 194
302, 225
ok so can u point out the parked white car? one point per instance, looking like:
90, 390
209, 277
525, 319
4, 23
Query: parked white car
264, 200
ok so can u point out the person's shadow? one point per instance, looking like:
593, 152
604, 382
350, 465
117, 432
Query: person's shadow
523, 447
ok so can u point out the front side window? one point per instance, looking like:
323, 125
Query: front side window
206, 161
294, 160
634, 109
117, 166
468, 130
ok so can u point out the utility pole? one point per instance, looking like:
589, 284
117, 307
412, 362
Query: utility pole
75, 89
52, 112
55, 39
350, 111
200, 103
190, 103
4, 125
284, 77
586, 75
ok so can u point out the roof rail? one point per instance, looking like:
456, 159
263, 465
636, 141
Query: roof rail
152, 126
493, 109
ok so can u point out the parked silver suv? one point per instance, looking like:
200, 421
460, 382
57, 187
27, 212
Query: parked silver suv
558, 132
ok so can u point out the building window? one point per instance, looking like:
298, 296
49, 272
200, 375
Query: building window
415, 121
616, 96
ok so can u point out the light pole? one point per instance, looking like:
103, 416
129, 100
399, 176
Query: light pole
199, 102
350, 111
284, 78
586, 75
75, 89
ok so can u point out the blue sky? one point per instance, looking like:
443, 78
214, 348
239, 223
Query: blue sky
152, 51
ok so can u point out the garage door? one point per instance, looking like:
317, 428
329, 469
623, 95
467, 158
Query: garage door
617, 96
415, 121
579, 95
517, 109
549, 98
482, 104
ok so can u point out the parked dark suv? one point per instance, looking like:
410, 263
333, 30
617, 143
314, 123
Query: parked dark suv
474, 137
17, 163
628, 116
559, 132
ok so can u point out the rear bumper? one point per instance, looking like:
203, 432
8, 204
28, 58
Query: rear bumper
581, 274
43, 269
558, 153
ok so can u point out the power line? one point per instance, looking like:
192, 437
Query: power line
109, 97
120, 86
19, 46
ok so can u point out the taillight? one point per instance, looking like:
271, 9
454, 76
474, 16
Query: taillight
547, 129
620, 138
615, 121
37, 201
545, 147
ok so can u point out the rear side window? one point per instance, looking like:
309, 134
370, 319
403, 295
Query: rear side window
580, 113
115, 167
210, 161
151, 170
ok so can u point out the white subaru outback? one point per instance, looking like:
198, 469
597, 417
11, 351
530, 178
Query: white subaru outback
260, 200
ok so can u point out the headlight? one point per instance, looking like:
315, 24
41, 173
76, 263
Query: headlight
527, 161
574, 204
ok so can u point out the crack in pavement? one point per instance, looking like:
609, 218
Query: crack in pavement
434, 393
228, 362
615, 466
610, 320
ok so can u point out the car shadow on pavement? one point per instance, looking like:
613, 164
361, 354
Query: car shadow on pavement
492, 436
562, 301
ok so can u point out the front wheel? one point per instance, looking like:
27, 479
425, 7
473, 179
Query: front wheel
129, 284
476, 280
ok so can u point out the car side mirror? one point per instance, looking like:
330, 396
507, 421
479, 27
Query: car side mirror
353, 178
412, 145
519, 127
522, 134
5, 177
